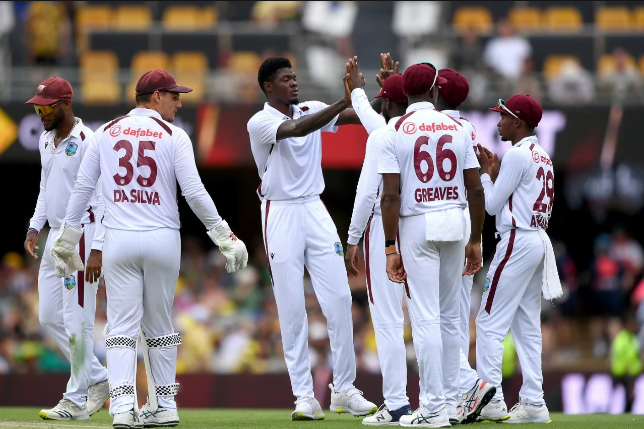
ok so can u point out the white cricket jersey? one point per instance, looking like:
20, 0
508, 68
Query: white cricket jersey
430, 152
371, 120
57, 178
370, 182
292, 167
140, 158
523, 194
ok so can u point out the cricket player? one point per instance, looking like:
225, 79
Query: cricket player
427, 172
520, 194
140, 158
385, 297
286, 141
67, 306
475, 393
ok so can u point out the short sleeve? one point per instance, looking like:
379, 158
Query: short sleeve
470, 160
262, 128
316, 106
387, 159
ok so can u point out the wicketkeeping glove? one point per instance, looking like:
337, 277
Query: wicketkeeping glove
230, 246
63, 252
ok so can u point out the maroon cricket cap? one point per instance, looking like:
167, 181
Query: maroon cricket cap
52, 90
455, 90
393, 89
419, 78
525, 107
158, 80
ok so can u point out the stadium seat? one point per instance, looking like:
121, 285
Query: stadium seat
191, 69
640, 65
189, 18
132, 18
244, 61
149, 60
525, 18
638, 18
99, 66
562, 19
553, 63
613, 19
476, 18
606, 63
91, 17
101, 93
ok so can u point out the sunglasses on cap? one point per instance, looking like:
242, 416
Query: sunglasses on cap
435, 74
44, 110
501, 105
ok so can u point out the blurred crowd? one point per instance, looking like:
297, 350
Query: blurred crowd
497, 63
229, 323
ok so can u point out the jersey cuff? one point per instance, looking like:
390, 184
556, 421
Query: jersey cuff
486, 177
97, 245
353, 240
388, 171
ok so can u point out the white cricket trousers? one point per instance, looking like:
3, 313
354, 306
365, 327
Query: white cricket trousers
513, 302
299, 233
141, 269
385, 304
66, 310
434, 271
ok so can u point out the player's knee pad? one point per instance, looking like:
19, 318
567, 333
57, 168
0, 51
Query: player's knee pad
122, 390
167, 390
163, 342
120, 341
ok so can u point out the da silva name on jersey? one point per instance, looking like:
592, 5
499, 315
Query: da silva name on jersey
137, 196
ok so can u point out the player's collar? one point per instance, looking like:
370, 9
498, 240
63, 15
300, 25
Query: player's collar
78, 129
527, 141
144, 112
454, 114
419, 106
297, 112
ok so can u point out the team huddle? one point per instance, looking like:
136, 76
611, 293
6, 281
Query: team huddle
425, 185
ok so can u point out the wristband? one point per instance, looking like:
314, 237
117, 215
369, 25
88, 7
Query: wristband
390, 250
390, 243
30, 230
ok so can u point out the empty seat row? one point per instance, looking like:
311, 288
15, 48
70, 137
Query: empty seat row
606, 63
565, 18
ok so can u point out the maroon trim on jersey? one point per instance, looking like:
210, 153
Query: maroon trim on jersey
514, 222
81, 275
403, 265
91, 214
114, 122
163, 125
499, 270
82, 136
402, 119
102, 218
366, 259
532, 146
268, 255
259, 189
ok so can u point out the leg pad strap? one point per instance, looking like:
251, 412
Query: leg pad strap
166, 341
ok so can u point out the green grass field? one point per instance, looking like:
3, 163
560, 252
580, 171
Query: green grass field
245, 418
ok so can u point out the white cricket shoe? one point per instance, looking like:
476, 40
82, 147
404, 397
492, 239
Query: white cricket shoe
386, 417
455, 415
307, 408
97, 396
162, 417
522, 412
351, 401
127, 420
65, 410
476, 399
422, 418
495, 411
